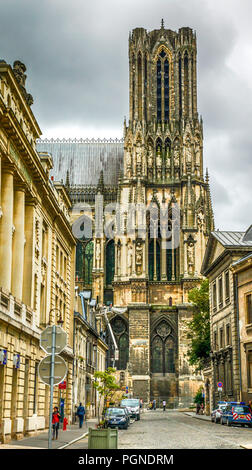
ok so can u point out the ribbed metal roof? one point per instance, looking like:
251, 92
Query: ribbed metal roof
84, 159
231, 238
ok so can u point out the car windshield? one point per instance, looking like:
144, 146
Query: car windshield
240, 409
130, 402
115, 412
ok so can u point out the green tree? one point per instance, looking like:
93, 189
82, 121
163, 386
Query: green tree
105, 384
199, 327
199, 397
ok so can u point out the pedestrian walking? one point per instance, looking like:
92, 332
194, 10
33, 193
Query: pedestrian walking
164, 405
81, 414
154, 404
55, 422
65, 423
201, 409
197, 408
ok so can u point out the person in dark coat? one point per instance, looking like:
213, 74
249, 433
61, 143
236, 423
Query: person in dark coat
81, 414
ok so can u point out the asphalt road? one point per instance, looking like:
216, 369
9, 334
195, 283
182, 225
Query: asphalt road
176, 430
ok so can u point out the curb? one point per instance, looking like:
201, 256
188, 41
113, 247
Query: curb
73, 441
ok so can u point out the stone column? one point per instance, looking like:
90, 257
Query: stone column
28, 254
163, 260
155, 259
190, 72
6, 228
18, 242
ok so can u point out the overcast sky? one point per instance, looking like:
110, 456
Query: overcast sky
76, 53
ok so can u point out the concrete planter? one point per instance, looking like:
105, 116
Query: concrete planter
102, 438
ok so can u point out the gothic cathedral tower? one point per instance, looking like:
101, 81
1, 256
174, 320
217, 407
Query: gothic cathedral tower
163, 169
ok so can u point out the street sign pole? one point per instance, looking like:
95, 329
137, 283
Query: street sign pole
51, 386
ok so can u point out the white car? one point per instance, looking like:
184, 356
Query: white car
133, 406
217, 413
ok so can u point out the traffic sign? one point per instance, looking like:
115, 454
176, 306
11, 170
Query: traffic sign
60, 339
220, 384
62, 385
60, 370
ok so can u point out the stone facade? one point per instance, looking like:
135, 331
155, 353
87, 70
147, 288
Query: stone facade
223, 250
128, 264
242, 271
37, 253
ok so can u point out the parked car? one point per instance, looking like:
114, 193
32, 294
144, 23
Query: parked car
237, 413
217, 413
133, 406
117, 417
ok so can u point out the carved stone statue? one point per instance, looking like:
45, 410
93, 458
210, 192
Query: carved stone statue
129, 259
139, 258
159, 163
200, 220
150, 157
128, 161
138, 158
119, 259
197, 156
188, 153
190, 257
98, 253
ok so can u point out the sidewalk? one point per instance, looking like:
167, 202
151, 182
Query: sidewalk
194, 415
73, 434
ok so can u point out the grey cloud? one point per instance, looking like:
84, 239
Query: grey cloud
77, 65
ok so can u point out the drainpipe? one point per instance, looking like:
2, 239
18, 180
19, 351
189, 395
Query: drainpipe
238, 330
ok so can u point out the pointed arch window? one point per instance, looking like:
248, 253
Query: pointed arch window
159, 91
110, 262
121, 333
145, 87
180, 87
163, 349
186, 84
166, 90
154, 268
139, 79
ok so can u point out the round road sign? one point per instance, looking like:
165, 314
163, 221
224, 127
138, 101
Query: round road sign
220, 384
60, 369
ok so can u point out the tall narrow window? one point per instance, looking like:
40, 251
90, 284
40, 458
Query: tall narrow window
145, 87
140, 92
110, 262
249, 308
186, 85
214, 296
152, 270
166, 90
133, 86
180, 87
163, 349
227, 285
220, 292
89, 252
159, 94
249, 365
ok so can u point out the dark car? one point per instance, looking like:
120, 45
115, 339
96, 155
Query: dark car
117, 418
133, 406
237, 413
217, 412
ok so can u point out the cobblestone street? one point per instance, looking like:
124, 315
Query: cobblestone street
176, 430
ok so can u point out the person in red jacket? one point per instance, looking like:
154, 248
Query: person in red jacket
55, 422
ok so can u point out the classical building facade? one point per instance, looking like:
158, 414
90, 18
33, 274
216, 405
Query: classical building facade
90, 351
142, 265
37, 262
242, 272
228, 319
